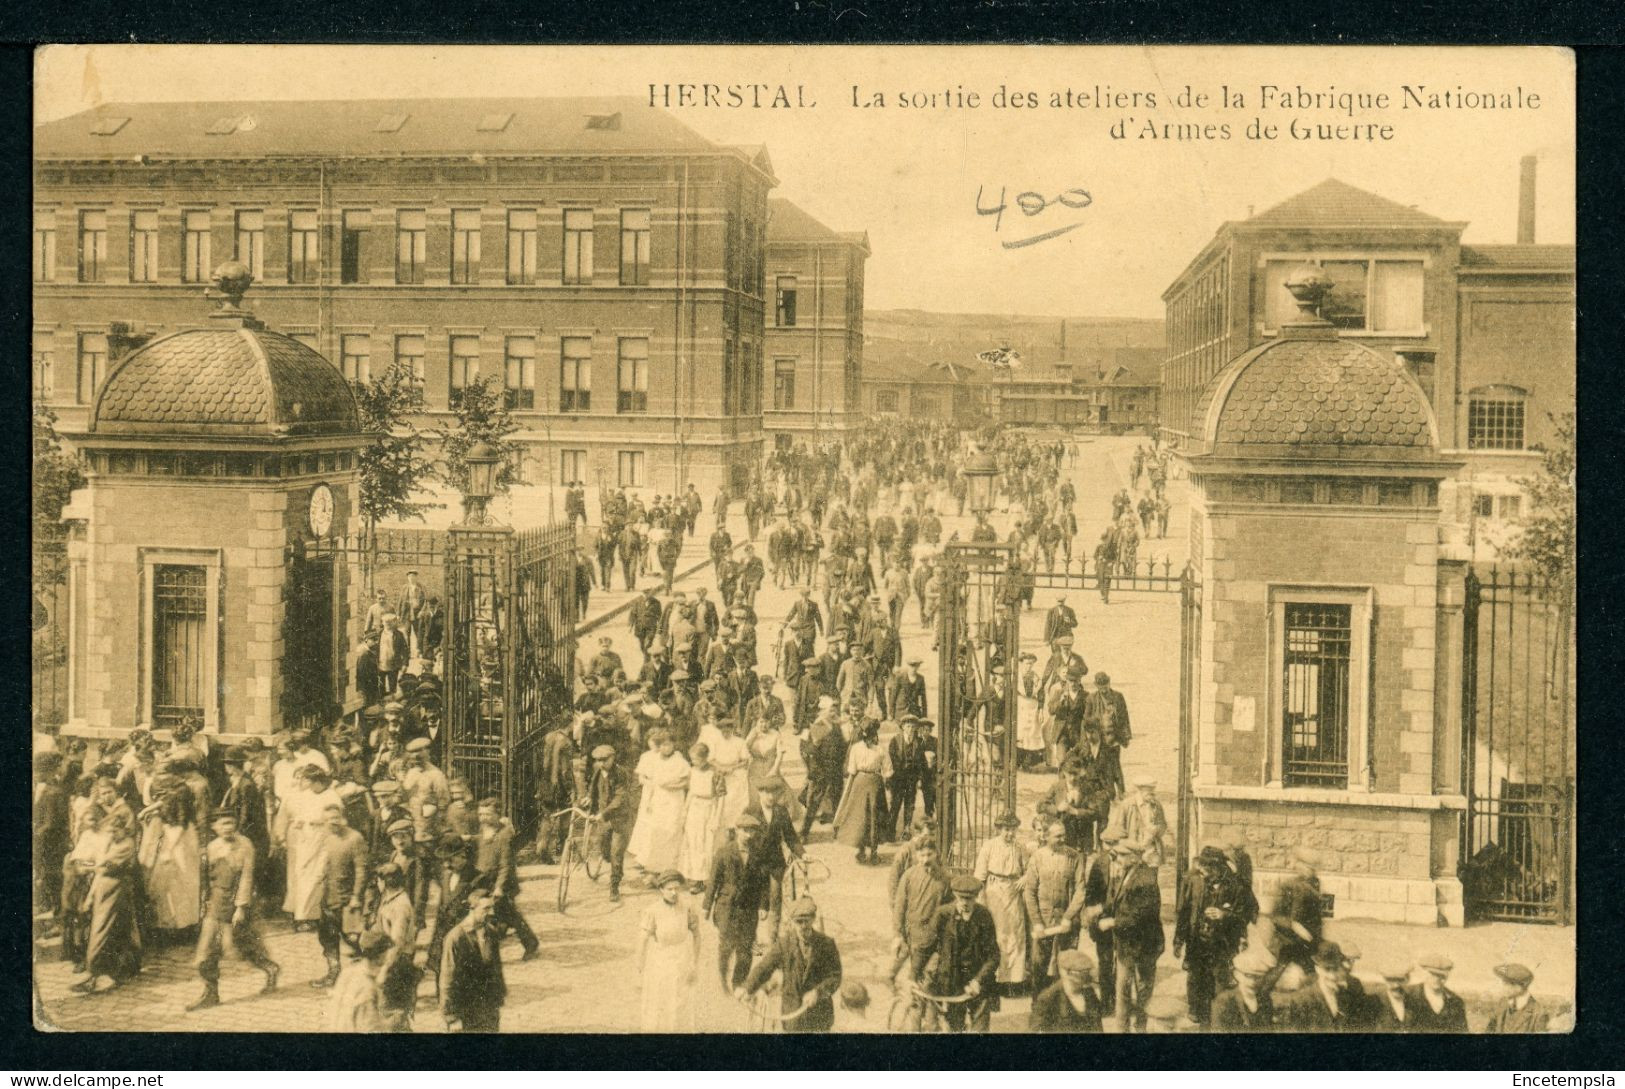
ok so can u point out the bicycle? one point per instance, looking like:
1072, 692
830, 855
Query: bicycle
583, 847
798, 877
762, 1016
908, 1012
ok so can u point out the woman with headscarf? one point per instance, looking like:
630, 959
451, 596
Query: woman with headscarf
170, 855
860, 820
668, 959
113, 948
306, 830
658, 835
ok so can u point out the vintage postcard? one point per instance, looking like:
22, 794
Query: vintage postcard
803, 540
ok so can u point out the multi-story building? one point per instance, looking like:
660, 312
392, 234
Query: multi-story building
600, 260
1487, 331
814, 347
1117, 396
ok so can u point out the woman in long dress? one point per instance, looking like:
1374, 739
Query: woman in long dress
732, 761
307, 835
999, 866
860, 820
1029, 717
668, 959
702, 818
170, 856
658, 835
78, 874
113, 949
765, 745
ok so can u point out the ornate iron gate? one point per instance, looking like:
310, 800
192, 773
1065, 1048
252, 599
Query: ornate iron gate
977, 649
1517, 852
508, 652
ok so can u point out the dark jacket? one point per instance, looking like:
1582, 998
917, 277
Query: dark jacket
777, 835
1532, 1018
1136, 904
493, 855
905, 696
735, 891
471, 982
345, 877
614, 798
815, 966
1204, 939
1305, 1010
965, 949
248, 804
1452, 1018
1230, 1014
1053, 1012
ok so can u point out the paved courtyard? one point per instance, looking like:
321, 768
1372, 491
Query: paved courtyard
586, 979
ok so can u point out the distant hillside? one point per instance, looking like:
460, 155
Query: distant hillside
907, 339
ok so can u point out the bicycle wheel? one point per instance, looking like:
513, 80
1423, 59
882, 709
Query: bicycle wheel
592, 856
567, 862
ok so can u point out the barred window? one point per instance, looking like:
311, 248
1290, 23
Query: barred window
179, 628
1495, 419
1315, 695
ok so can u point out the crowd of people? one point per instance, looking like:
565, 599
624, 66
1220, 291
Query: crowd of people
678, 757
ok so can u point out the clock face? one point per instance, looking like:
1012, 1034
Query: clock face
321, 510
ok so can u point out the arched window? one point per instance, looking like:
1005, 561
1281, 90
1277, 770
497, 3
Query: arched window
1495, 418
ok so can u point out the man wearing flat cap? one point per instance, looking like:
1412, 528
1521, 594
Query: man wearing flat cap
1207, 929
1132, 915
1390, 1011
806, 622
612, 798
242, 798
1064, 709
1518, 1010
1435, 1007
810, 967
397, 917
913, 763
228, 910
1107, 711
963, 943
907, 694
736, 900
1059, 621
1070, 1004
1246, 1006
1324, 1003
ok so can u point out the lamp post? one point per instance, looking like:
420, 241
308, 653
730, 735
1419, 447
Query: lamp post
981, 473
482, 460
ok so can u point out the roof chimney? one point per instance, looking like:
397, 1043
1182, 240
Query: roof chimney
1526, 201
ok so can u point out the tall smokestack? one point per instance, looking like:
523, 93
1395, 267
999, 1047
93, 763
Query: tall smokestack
1526, 201
1063, 338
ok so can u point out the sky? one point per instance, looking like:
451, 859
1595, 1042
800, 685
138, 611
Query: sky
914, 175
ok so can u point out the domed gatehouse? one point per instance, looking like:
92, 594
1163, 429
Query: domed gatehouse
1314, 734
209, 452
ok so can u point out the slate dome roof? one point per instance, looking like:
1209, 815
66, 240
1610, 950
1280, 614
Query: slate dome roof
240, 380
1316, 395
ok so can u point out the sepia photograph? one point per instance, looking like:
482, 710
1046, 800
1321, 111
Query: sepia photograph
796, 540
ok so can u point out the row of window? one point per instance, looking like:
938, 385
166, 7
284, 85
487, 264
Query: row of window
355, 227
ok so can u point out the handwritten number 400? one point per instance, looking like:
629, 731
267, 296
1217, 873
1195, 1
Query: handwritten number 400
1031, 204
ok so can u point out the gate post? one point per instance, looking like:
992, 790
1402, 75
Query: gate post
479, 671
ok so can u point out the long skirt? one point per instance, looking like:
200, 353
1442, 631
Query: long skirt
114, 947
860, 820
702, 830
738, 796
170, 862
658, 837
307, 871
1029, 731
1010, 924
668, 994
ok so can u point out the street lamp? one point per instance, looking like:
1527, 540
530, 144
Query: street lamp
981, 473
482, 460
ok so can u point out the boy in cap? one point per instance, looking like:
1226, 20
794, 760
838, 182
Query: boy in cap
915, 901
1070, 1003
963, 943
228, 904
1323, 1003
1519, 1011
398, 919
810, 964
1390, 1010
1247, 1006
472, 988
612, 798
344, 881
427, 795
1435, 1007
493, 858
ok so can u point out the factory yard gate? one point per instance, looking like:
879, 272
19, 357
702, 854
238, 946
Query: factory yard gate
508, 653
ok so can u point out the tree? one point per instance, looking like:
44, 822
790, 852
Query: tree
56, 474
1546, 535
393, 468
482, 416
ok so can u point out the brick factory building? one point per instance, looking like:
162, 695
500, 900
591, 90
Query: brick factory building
814, 348
601, 260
